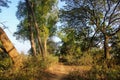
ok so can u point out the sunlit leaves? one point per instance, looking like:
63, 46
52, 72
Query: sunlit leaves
44, 17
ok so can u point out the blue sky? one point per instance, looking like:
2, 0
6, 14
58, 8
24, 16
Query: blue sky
8, 17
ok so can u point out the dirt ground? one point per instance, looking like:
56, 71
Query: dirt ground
59, 71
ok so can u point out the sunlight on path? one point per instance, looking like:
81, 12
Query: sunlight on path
59, 71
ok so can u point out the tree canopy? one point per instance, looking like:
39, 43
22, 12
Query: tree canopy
37, 22
99, 19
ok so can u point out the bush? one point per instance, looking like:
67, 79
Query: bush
96, 73
103, 73
85, 59
33, 68
5, 63
39, 62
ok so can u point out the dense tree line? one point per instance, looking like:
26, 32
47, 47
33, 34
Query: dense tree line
92, 23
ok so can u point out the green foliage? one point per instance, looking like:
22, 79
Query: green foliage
97, 55
5, 63
116, 48
49, 61
45, 15
92, 23
38, 62
86, 59
37, 22
79, 59
70, 43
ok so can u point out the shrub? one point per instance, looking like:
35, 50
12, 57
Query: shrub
103, 73
96, 73
5, 63
85, 59
32, 69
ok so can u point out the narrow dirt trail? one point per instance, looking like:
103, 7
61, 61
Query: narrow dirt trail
59, 71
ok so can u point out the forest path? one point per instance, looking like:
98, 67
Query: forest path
59, 71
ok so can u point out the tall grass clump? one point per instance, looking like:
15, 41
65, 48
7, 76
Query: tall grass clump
33, 68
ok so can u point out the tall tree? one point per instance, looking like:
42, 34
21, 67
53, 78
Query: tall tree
42, 22
33, 47
101, 16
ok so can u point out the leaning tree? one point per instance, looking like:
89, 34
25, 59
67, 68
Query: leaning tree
5, 44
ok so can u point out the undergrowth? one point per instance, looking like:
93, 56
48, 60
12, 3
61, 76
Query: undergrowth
96, 73
33, 68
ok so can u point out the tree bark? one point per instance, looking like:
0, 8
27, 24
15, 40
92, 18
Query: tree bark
9, 47
45, 47
33, 46
106, 47
39, 39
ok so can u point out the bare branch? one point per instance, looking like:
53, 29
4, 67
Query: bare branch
109, 22
106, 11
117, 30
114, 20
4, 26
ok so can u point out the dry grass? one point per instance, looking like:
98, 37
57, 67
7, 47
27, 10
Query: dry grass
61, 71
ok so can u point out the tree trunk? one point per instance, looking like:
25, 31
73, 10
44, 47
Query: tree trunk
39, 39
9, 47
33, 46
45, 47
106, 47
